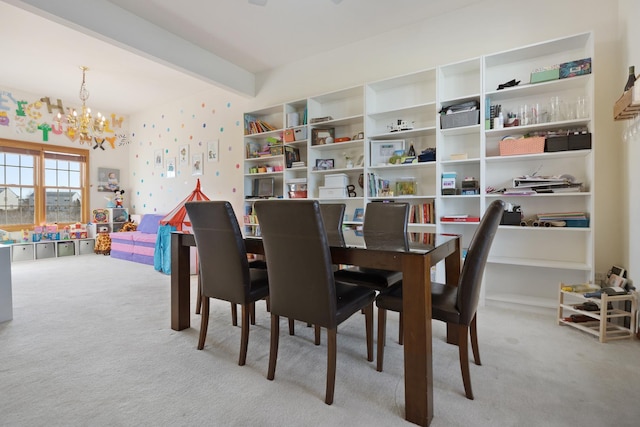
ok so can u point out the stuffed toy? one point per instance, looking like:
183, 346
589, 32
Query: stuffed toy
103, 244
119, 198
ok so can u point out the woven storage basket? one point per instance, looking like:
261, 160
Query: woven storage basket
510, 147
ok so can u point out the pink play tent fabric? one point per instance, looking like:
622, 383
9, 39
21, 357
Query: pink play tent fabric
176, 220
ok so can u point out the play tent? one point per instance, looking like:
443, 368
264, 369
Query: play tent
176, 220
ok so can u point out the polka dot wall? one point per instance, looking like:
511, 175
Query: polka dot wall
174, 146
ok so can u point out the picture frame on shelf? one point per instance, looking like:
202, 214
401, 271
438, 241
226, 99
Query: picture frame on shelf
358, 136
381, 151
292, 154
253, 149
324, 164
321, 136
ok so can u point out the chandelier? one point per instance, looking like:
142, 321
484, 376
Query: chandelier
84, 125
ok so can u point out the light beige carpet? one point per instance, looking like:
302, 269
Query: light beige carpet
91, 345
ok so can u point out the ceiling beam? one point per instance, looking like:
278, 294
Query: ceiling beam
106, 21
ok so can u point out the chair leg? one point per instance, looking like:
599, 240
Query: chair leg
234, 314
401, 330
382, 334
368, 320
331, 364
252, 313
474, 340
199, 296
317, 335
292, 327
463, 347
268, 303
204, 322
273, 351
244, 336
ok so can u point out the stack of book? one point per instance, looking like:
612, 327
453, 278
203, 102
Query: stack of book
570, 219
320, 119
299, 164
544, 184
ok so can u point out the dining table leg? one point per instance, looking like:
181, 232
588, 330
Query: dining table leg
180, 283
418, 366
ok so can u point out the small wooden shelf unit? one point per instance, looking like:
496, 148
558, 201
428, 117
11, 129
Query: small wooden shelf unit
604, 325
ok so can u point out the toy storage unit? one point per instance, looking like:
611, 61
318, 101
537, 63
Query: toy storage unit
28, 251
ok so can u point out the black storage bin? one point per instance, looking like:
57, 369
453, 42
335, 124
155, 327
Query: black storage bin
580, 141
511, 218
556, 143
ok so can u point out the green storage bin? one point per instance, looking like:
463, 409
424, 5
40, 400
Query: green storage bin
545, 76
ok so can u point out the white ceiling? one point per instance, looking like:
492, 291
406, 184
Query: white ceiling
145, 52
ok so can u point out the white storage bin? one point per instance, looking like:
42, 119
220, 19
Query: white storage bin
22, 252
66, 248
332, 192
336, 180
45, 250
86, 246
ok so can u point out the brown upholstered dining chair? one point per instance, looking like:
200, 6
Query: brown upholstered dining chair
224, 268
301, 282
385, 227
454, 304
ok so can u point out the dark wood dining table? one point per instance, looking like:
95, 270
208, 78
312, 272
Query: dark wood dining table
424, 251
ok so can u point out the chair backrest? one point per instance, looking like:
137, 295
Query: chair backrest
224, 268
301, 283
333, 216
475, 261
385, 225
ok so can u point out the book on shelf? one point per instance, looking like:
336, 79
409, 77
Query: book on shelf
253, 125
459, 218
422, 213
560, 216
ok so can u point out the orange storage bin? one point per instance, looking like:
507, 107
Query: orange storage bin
533, 145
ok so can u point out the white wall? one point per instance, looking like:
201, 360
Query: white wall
25, 129
630, 47
193, 121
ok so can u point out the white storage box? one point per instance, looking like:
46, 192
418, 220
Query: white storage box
300, 134
332, 192
336, 180
66, 248
45, 250
22, 252
86, 246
